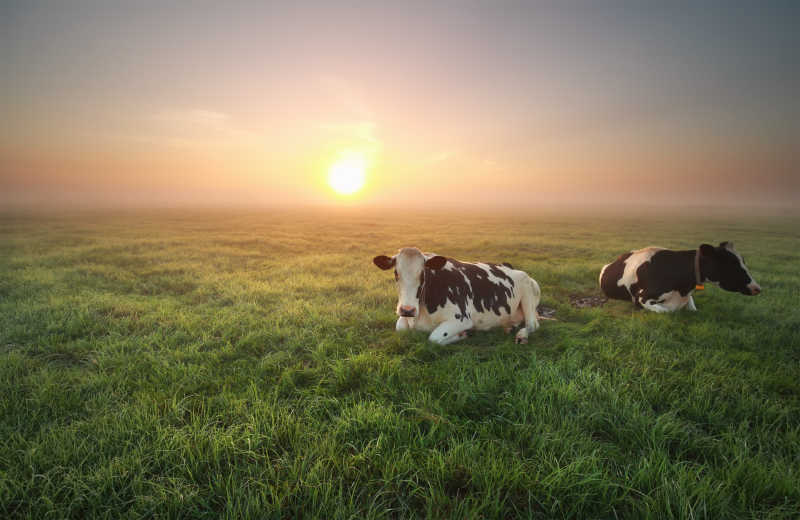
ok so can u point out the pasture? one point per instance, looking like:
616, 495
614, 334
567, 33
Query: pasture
245, 365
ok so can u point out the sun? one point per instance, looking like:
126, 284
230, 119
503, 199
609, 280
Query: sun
347, 175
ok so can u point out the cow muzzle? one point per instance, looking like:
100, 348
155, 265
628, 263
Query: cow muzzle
407, 311
754, 288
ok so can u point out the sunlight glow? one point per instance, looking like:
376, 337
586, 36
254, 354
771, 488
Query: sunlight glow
348, 174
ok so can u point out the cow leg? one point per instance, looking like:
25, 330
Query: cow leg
691, 305
515, 319
651, 305
403, 323
529, 300
450, 331
667, 302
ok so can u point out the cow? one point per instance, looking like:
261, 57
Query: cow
661, 280
449, 298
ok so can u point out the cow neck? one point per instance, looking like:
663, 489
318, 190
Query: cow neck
427, 274
690, 270
701, 268
423, 289
698, 277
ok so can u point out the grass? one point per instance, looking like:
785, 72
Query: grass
239, 365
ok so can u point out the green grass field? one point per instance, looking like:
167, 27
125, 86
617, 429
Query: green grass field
208, 365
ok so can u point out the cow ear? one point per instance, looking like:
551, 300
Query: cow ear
435, 262
726, 245
384, 262
707, 250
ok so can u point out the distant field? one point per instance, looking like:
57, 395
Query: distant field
245, 365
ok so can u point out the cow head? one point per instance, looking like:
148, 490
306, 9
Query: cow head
723, 265
409, 265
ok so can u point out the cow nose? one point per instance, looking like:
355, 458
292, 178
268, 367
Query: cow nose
407, 311
754, 288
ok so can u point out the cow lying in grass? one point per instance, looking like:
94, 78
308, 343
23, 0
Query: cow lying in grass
449, 297
661, 280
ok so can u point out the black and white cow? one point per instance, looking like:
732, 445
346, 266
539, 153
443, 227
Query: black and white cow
662, 280
449, 297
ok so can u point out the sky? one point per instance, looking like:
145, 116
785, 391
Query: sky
450, 104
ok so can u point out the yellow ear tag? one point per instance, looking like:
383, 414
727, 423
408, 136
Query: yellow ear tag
699, 287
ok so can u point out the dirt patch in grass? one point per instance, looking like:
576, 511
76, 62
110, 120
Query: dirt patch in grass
583, 301
545, 312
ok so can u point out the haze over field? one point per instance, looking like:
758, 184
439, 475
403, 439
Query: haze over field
506, 104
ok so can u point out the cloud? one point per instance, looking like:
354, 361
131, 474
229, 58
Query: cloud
347, 95
360, 130
441, 156
199, 127
493, 166
194, 116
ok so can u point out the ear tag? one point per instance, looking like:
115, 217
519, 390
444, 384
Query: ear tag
699, 287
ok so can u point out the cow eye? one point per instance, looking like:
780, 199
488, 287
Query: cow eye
395, 275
